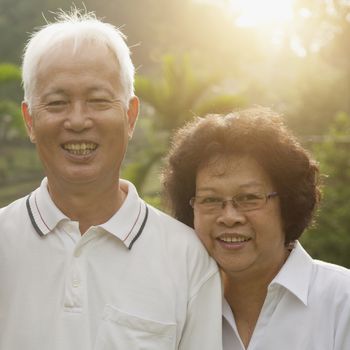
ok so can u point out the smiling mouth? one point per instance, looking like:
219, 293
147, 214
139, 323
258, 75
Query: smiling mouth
228, 238
80, 149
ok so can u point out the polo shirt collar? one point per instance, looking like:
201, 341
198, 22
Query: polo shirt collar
295, 274
129, 221
42, 211
126, 224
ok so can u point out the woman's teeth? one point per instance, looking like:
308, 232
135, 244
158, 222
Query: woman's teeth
234, 239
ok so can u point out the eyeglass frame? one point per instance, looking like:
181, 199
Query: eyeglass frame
223, 202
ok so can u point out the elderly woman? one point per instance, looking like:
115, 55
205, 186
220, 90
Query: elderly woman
250, 190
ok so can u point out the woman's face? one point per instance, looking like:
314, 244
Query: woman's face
242, 242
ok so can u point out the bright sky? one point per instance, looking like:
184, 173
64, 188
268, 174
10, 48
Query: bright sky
253, 13
273, 19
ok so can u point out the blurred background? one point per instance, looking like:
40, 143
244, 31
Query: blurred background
199, 56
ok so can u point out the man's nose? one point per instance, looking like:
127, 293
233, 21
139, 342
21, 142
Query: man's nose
230, 215
78, 118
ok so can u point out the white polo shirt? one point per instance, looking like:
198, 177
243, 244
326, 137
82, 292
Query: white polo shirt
142, 280
307, 308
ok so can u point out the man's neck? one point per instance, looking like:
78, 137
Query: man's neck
89, 205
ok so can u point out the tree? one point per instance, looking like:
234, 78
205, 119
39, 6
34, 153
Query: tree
11, 125
171, 101
330, 239
20, 171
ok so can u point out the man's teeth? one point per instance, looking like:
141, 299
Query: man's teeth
80, 148
233, 239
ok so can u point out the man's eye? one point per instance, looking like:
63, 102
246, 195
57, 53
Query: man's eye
56, 106
98, 100
99, 103
57, 103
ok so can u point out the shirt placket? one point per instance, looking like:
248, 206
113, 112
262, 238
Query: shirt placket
73, 291
73, 300
271, 301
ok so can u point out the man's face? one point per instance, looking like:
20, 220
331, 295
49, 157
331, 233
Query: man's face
78, 121
249, 243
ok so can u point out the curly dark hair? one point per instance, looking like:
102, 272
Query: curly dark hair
257, 132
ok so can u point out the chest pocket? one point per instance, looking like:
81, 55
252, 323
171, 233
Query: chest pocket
122, 331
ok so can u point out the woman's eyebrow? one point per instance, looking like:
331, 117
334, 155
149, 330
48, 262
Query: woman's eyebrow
252, 184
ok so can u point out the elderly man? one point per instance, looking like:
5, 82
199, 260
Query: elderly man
84, 262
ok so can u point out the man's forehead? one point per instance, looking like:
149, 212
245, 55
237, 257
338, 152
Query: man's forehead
92, 68
88, 89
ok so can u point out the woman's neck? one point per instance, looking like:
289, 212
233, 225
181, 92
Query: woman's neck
246, 292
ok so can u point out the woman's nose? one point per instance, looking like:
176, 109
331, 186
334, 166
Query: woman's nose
230, 215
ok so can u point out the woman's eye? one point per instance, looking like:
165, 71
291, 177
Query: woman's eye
246, 197
209, 200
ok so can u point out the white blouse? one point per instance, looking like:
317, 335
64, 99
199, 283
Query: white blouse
307, 308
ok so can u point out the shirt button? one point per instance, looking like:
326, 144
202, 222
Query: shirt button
76, 283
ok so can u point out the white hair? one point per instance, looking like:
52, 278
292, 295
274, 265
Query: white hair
79, 26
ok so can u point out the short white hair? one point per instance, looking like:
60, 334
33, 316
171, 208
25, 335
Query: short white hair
79, 26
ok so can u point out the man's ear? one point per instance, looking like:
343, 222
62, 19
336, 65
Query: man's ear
133, 112
28, 121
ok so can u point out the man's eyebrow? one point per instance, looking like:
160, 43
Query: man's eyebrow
98, 89
63, 92
55, 92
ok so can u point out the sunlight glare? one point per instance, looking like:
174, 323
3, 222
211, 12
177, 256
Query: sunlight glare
274, 20
252, 13
297, 47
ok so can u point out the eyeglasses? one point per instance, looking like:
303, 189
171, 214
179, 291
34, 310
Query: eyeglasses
241, 201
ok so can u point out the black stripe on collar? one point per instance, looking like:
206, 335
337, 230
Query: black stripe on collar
140, 230
31, 216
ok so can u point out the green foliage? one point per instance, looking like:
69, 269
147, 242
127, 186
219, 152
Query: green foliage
9, 72
178, 95
330, 239
174, 99
136, 172
11, 123
20, 169
220, 104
